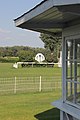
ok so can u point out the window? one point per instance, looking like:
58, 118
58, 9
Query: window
73, 71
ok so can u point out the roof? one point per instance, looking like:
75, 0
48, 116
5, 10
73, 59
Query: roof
50, 16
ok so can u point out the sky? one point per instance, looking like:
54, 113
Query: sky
11, 35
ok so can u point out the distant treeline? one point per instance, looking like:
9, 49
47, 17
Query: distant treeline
25, 53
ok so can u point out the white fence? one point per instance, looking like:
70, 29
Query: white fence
29, 84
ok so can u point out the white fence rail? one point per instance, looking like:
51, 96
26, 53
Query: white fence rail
29, 84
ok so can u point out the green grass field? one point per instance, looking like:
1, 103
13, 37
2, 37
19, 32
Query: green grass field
32, 106
28, 106
7, 71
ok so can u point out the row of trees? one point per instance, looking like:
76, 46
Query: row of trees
23, 53
51, 49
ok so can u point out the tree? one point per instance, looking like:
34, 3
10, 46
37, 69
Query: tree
52, 43
26, 56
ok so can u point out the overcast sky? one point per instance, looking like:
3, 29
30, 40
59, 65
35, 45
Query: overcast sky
11, 35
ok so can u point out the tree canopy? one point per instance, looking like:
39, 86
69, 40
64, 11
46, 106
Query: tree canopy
52, 43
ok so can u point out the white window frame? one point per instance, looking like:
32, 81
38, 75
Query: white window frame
64, 69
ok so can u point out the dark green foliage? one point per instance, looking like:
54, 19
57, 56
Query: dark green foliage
26, 56
25, 53
53, 44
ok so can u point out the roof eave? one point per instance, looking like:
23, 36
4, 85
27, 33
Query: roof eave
45, 5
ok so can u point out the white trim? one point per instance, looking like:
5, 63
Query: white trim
63, 70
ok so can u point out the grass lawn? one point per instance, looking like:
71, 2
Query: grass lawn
31, 106
28, 106
7, 71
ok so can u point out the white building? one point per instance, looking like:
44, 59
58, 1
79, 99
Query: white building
61, 18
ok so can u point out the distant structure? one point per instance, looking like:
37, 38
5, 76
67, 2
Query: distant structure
39, 57
60, 59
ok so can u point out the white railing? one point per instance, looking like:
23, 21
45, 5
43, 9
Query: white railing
29, 84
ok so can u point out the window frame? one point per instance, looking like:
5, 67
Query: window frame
64, 69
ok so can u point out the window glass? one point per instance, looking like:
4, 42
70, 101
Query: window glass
73, 71
70, 91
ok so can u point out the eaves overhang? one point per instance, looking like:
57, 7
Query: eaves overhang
51, 16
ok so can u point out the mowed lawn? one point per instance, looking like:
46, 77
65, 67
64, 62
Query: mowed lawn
28, 106
32, 106
7, 71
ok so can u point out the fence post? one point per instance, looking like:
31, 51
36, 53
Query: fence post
40, 85
15, 85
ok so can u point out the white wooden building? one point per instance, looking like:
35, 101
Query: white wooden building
61, 18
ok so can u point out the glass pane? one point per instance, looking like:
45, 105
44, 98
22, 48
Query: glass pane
71, 96
78, 71
69, 49
69, 59
70, 91
70, 71
73, 71
78, 50
78, 59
